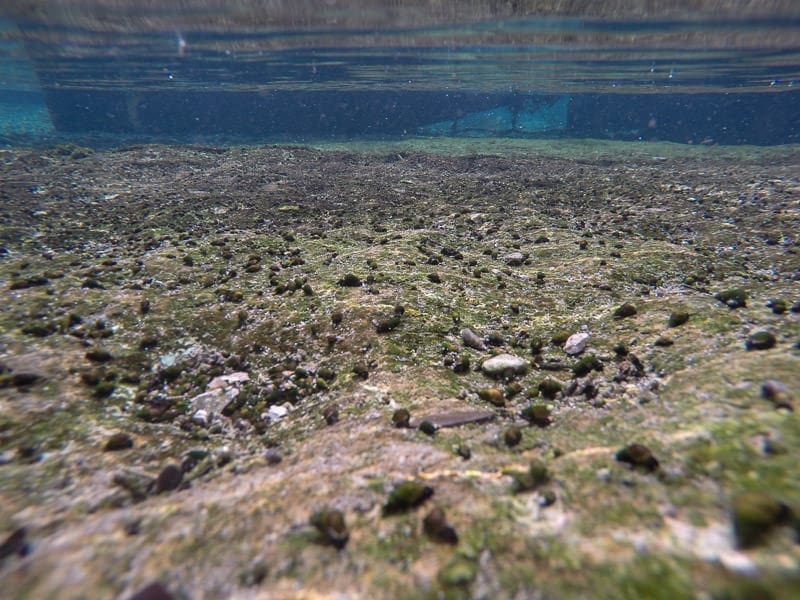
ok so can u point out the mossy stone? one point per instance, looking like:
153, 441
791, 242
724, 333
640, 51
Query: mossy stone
512, 436
549, 387
405, 496
678, 318
437, 528
492, 396
331, 525
537, 414
586, 365
349, 280
536, 475
754, 515
459, 572
625, 310
638, 456
118, 441
761, 340
387, 324
733, 298
401, 417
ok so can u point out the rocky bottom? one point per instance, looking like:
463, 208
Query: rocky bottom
291, 373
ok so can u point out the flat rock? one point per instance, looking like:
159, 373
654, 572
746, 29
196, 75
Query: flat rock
224, 381
214, 401
576, 343
503, 363
454, 418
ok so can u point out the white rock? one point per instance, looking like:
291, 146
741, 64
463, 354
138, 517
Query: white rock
214, 401
224, 381
200, 417
276, 413
500, 364
576, 343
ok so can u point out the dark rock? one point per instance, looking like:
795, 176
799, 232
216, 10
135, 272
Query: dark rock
549, 387
427, 428
434, 278
118, 441
777, 393
586, 365
401, 417
349, 280
24, 379
678, 318
144, 306
14, 544
754, 516
331, 414
436, 527
492, 396
537, 414
273, 457
637, 456
332, 527
387, 324
28, 282
99, 355
734, 298
168, 480
512, 436
464, 451
471, 339
153, 591
663, 342
761, 340
626, 310
536, 475
405, 496
778, 306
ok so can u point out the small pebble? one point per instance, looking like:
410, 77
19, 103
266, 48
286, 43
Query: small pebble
512, 436
118, 441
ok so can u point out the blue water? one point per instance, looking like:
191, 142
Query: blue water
725, 81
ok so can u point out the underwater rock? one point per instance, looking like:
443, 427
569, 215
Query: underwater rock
512, 436
153, 591
471, 339
349, 280
625, 310
678, 318
401, 417
537, 414
14, 544
118, 441
427, 428
168, 479
405, 496
778, 306
776, 392
754, 516
504, 364
637, 456
761, 340
492, 396
576, 343
460, 417
331, 525
525, 481
515, 259
550, 387
734, 298
438, 529
99, 355
586, 365
387, 324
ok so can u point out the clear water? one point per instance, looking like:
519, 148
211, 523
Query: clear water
684, 80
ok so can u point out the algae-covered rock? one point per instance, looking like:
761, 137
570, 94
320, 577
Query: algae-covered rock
525, 481
733, 298
678, 318
437, 528
754, 515
331, 525
512, 436
586, 365
637, 456
761, 340
537, 414
625, 310
492, 396
550, 387
405, 496
349, 280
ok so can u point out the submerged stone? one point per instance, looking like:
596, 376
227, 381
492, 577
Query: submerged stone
733, 298
405, 496
637, 456
503, 364
754, 516
761, 340
331, 525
